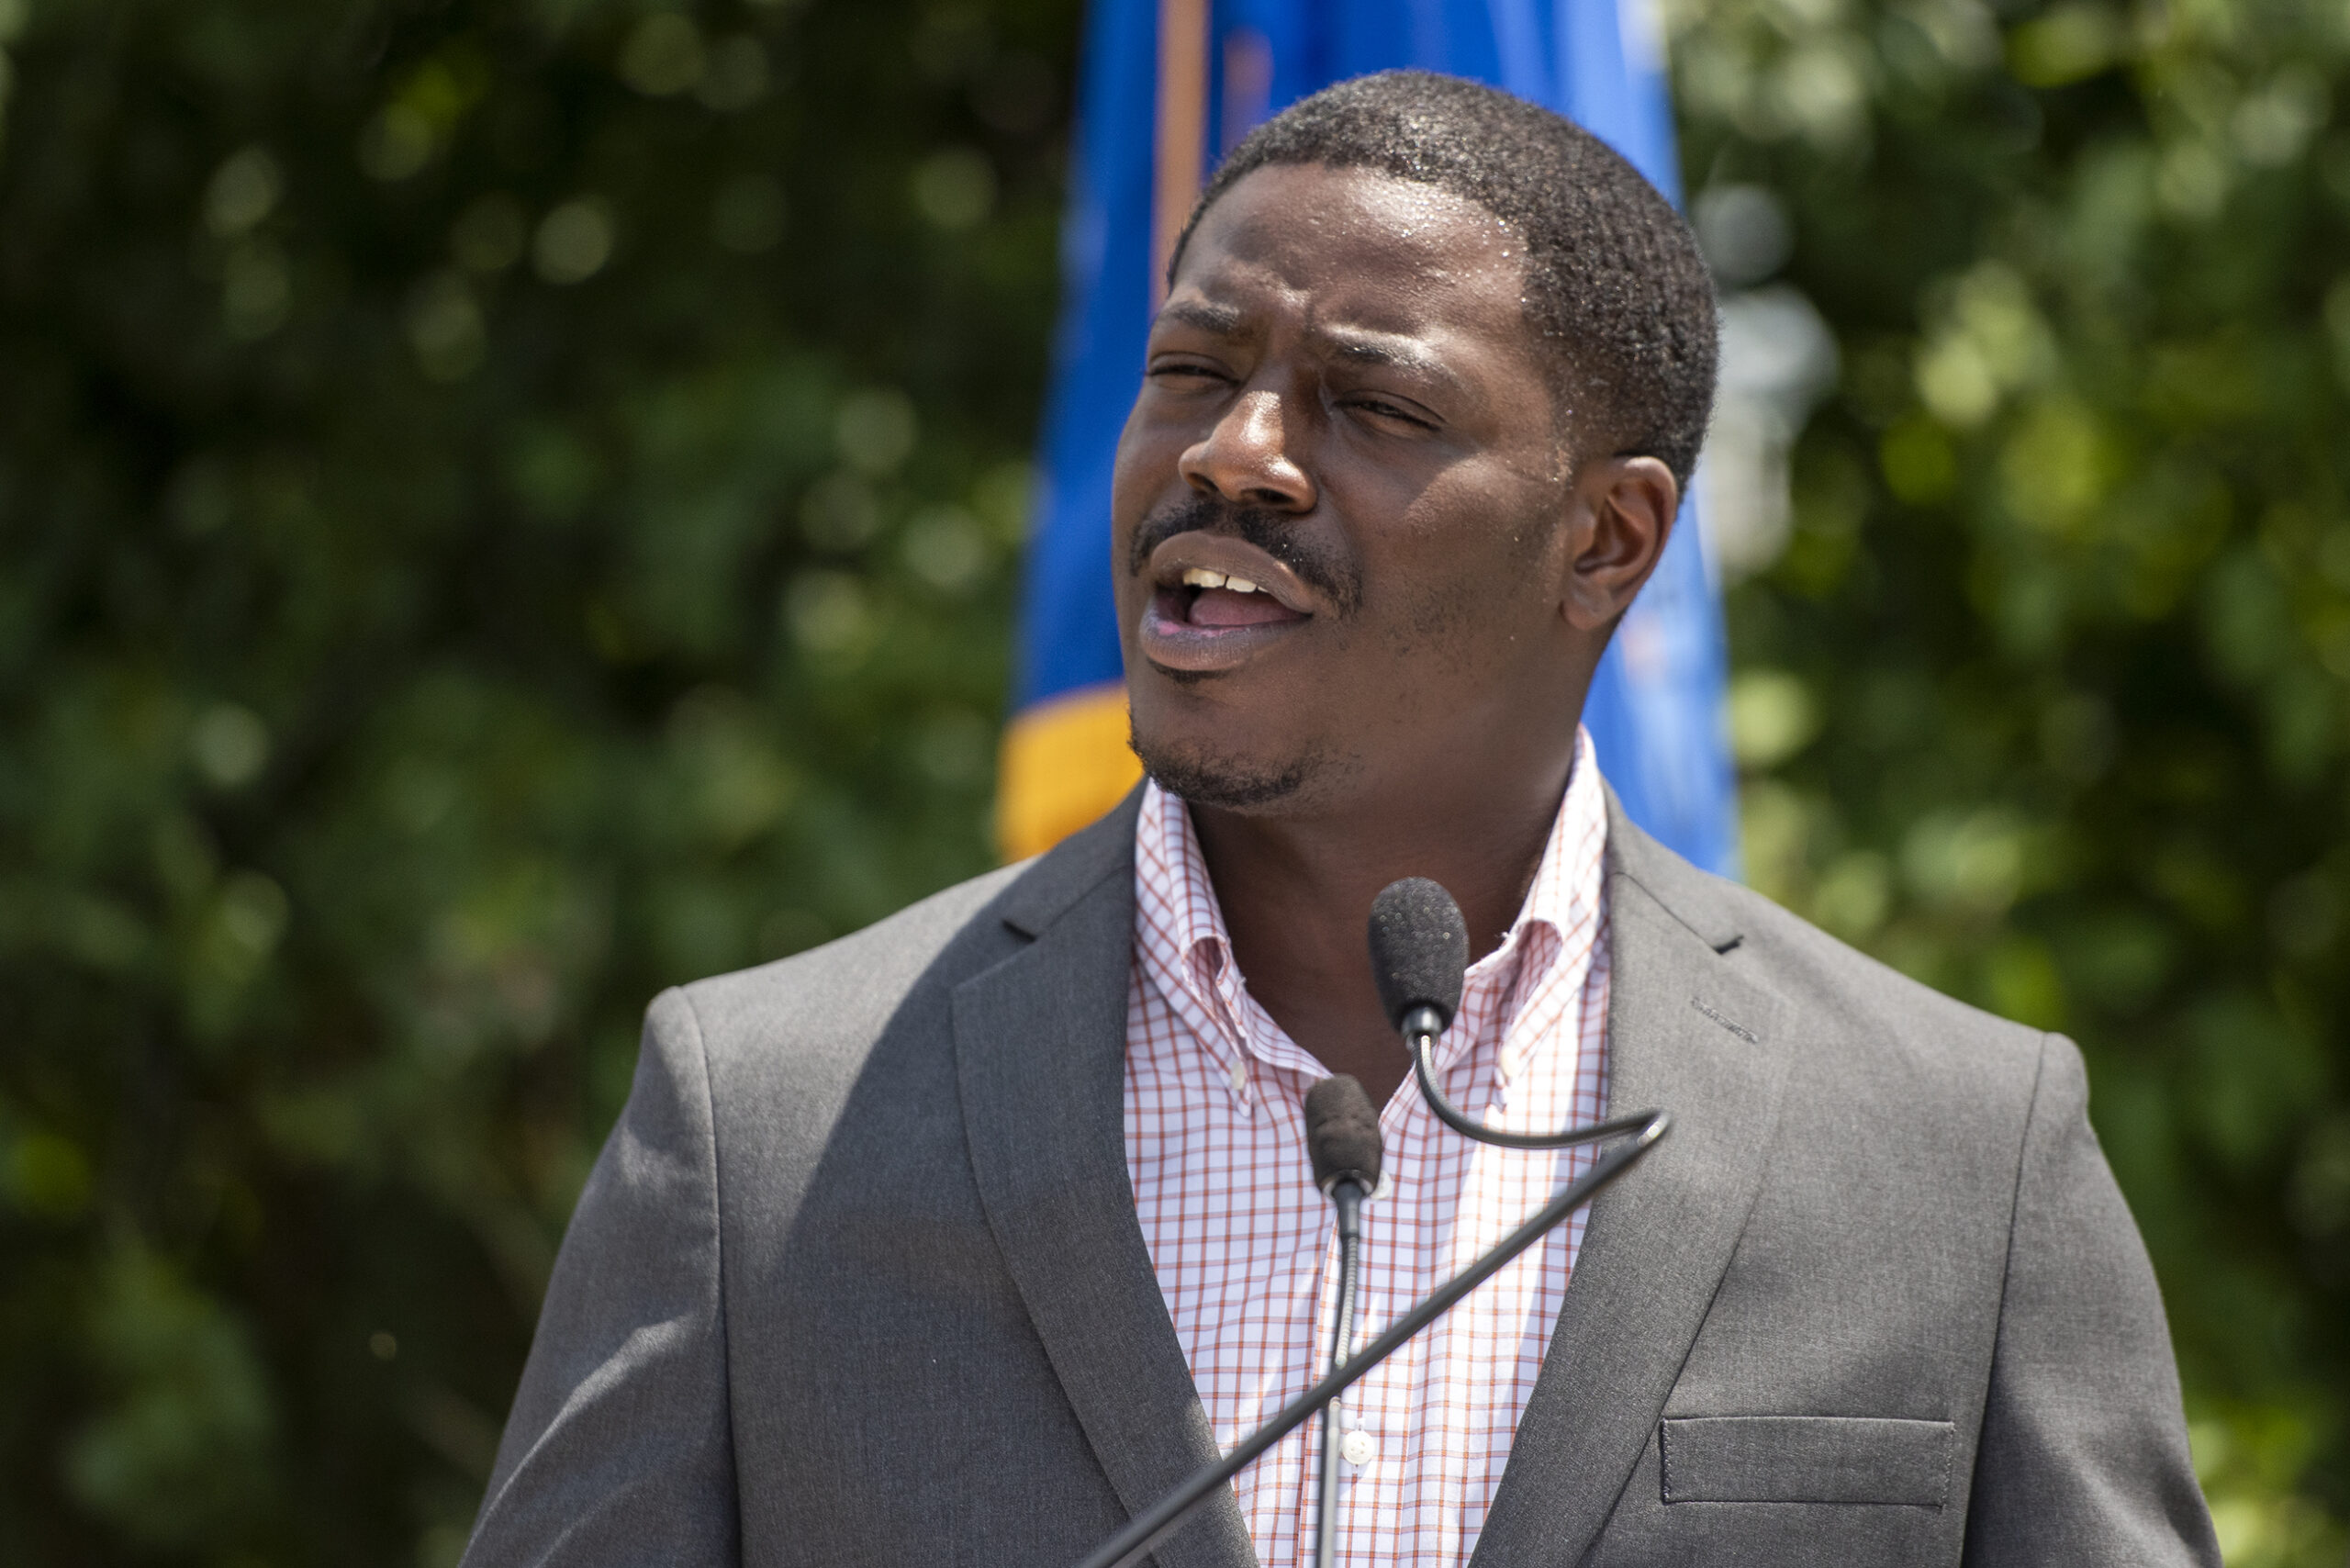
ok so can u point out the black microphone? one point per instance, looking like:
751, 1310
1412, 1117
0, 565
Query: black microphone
1342, 1140
1419, 955
1342, 1135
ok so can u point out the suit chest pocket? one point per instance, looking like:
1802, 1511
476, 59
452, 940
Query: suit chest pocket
1805, 1458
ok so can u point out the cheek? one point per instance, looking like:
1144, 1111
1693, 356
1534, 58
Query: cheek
1442, 638
1144, 459
1462, 590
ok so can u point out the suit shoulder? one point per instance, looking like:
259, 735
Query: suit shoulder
1878, 1002
1872, 1004
859, 980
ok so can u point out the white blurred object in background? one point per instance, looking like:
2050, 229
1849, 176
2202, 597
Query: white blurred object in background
1778, 360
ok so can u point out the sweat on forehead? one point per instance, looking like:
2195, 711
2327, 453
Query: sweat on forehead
1615, 284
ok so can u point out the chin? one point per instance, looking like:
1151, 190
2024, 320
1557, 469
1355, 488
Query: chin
1204, 776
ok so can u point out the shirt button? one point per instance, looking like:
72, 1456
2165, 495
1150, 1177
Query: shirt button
1241, 1075
1358, 1447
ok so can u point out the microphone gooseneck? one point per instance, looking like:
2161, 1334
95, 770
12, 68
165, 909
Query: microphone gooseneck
1342, 1140
1419, 955
1146, 1528
1348, 1197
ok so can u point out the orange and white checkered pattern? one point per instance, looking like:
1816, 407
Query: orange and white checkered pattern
1244, 1245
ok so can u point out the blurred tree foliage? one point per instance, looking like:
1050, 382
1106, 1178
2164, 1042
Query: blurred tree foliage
504, 506
2047, 699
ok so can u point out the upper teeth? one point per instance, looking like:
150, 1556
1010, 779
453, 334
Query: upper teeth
1199, 576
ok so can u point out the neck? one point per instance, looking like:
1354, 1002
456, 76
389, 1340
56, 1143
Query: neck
1297, 892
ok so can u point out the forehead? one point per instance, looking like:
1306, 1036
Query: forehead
1357, 247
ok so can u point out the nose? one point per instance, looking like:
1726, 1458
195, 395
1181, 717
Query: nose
1246, 460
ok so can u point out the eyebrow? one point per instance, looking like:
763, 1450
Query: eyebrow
1379, 351
1219, 320
1384, 353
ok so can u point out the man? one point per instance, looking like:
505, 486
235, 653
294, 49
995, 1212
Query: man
965, 1238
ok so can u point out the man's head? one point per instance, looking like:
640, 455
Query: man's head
1433, 369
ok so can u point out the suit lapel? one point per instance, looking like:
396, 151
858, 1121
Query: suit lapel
1040, 1044
1688, 1032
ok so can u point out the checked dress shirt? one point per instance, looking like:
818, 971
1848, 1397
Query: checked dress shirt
1243, 1243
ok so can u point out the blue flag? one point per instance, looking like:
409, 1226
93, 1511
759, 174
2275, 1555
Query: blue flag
1170, 85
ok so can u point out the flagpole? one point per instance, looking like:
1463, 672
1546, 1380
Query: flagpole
1182, 131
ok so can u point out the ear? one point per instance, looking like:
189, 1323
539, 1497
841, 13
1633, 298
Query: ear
1623, 512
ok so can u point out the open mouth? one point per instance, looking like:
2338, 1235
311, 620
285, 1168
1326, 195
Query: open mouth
1213, 601
1207, 620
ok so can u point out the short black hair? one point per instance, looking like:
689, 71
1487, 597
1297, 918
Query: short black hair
1615, 282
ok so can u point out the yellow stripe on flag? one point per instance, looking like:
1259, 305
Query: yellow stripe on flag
1065, 762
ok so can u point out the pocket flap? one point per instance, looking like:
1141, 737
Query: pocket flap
1806, 1458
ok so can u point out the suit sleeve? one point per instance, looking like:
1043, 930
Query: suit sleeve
618, 1448
2083, 1459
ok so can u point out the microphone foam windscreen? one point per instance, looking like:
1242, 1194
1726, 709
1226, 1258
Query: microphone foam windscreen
1342, 1133
1419, 948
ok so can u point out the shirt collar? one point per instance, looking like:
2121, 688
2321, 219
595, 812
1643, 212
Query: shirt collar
1183, 942
1563, 899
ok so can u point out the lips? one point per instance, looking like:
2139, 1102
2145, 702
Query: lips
1203, 620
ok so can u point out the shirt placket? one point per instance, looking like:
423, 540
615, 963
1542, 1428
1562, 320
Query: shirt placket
1260, 1065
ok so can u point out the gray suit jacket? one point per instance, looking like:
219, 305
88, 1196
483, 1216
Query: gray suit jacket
858, 1279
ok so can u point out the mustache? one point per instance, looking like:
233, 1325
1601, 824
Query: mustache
1336, 579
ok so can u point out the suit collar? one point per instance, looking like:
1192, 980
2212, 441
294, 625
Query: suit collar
1692, 1031
1040, 1045
1698, 901
1056, 881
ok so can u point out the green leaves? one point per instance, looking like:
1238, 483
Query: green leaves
180, 1449
503, 507
2075, 625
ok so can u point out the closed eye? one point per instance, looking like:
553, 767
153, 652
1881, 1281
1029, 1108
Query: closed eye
1387, 409
1185, 369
